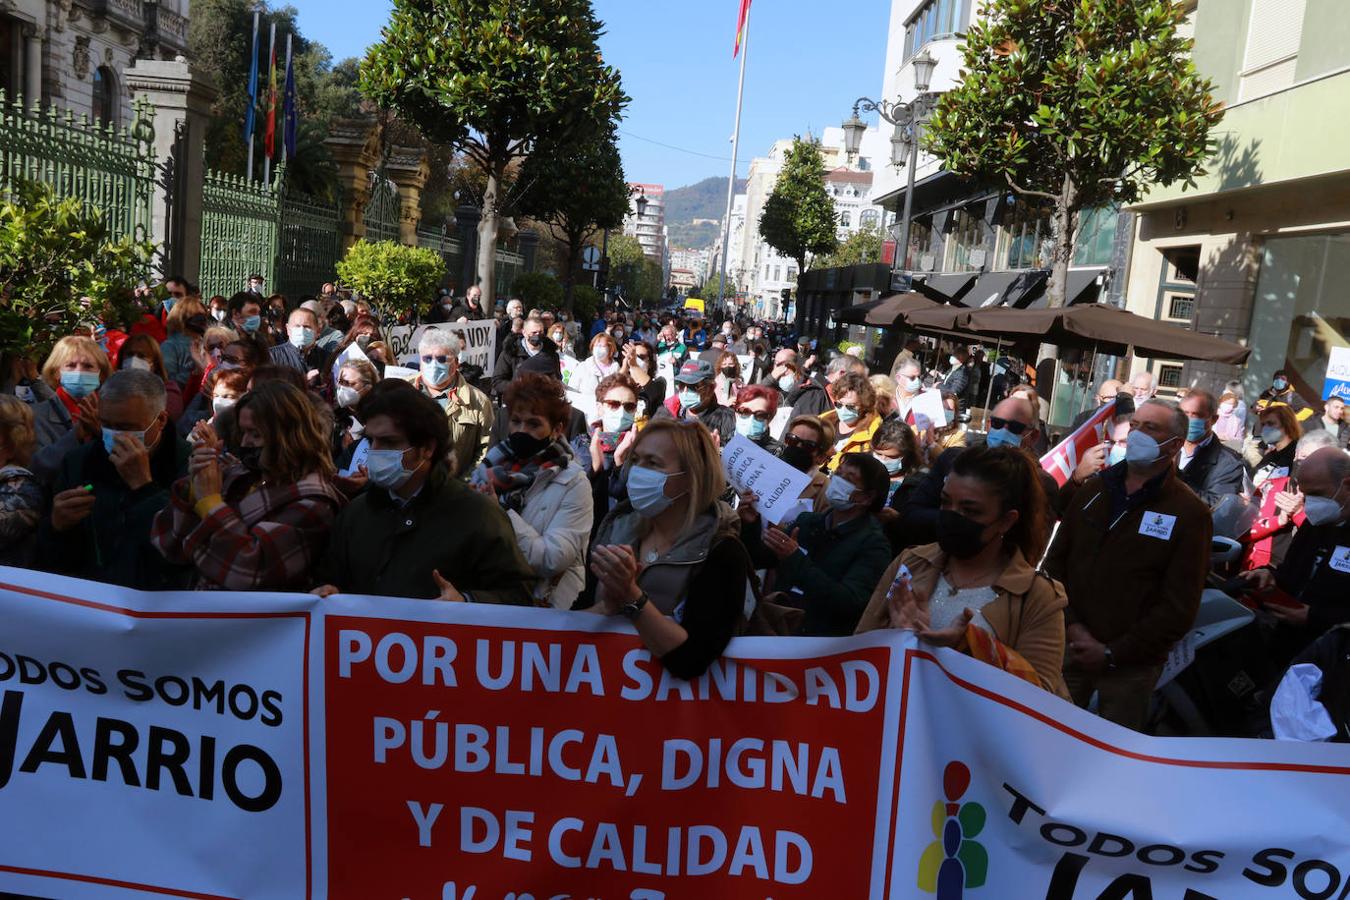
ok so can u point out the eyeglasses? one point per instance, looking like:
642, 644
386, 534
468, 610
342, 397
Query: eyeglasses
237, 360
760, 416
792, 440
613, 405
1011, 424
442, 358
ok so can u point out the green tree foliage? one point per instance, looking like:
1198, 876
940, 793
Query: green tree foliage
862, 246
397, 278
1078, 104
576, 190
798, 219
538, 290
55, 253
585, 302
491, 78
639, 279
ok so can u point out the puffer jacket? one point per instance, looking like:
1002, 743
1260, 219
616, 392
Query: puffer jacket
551, 531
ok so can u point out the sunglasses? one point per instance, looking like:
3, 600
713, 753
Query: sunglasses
792, 440
442, 358
1013, 426
760, 416
613, 405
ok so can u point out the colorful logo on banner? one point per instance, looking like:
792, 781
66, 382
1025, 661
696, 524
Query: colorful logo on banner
955, 861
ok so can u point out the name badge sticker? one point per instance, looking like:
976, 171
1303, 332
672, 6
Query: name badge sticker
1158, 525
1340, 560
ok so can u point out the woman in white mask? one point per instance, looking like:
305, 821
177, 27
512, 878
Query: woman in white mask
603, 361
668, 559
140, 351
639, 364
350, 448
602, 452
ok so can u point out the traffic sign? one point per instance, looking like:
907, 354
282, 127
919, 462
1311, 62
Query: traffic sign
590, 258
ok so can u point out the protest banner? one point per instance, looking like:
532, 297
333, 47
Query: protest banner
479, 337
352, 352
929, 404
1337, 381
1063, 458
750, 467
222, 745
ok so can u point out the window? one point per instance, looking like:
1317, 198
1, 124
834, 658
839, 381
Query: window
934, 19
1096, 236
105, 97
1025, 239
1273, 35
869, 218
1180, 306
969, 231
846, 219
1169, 377
777, 273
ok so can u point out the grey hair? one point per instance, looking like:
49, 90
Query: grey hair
1180, 423
1313, 441
444, 339
845, 363
127, 383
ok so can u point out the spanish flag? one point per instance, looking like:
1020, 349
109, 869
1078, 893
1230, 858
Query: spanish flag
740, 27
270, 135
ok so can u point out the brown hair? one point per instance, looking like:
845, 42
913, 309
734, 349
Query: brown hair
234, 379
16, 428
619, 380
824, 430
295, 441
1015, 480
176, 321
858, 384
699, 458
69, 348
721, 361
144, 343
541, 394
1288, 419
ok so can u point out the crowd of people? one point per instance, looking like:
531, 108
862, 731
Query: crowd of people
244, 443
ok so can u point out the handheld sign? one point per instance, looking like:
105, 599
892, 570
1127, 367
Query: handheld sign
751, 468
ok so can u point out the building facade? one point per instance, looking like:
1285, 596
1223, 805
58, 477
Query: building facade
650, 227
1259, 250
693, 261
73, 54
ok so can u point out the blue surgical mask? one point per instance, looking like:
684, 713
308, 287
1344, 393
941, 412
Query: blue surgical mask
847, 414
688, 398
914, 385
750, 427
1116, 456
1280, 383
647, 491
1141, 450
787, 383
435, 372
385, 469
1002, 437
1195, 430
616, 420
1270, 435
79, 384
252, 323
110, 438
301, 336
893, 466
949, 415
839, 493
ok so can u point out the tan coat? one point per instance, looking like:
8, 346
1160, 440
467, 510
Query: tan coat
1027, 614
470, 414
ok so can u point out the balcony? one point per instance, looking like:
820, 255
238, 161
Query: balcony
127, 14
165, 27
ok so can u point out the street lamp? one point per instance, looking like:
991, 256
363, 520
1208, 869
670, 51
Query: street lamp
641, 203
908, 119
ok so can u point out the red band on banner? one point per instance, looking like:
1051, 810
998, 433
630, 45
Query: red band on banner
112, 882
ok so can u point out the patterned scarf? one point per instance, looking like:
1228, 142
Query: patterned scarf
511, 477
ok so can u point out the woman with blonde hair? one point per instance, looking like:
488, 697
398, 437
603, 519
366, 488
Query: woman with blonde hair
668, 558
182, 349
22, 499
74, 371
258, 520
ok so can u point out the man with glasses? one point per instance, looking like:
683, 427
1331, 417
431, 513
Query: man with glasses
1132, 553
695, 400
1107, 392
467, 409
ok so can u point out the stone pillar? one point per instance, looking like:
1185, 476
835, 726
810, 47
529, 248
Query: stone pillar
407, 167
528, 240
355, 145
466, 223
180, 102
32, 82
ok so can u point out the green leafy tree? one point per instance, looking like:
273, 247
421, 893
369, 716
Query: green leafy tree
798, 219
492, 78
1078, 104
538, 290
397, 278
862, 246
576, 190
626, 262
60, 269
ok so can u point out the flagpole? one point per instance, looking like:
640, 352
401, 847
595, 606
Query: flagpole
253, 97
284, 120
735, 148
272, 102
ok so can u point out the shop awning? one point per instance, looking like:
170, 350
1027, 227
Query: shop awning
991, 288
945, 287
1084, 287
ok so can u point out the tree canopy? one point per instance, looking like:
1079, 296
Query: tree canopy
862, 246
799, 219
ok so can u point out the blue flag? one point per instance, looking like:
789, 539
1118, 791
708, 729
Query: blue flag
292, 113
250, 114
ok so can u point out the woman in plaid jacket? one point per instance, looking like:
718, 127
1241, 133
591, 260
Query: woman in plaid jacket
259, 519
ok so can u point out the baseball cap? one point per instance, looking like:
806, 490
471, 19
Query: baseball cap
694, 371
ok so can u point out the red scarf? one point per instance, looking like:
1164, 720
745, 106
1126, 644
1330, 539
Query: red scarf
71, 404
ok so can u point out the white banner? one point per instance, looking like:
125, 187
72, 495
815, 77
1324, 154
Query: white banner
479, 337
221, 745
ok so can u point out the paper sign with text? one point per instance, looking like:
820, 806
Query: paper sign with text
479, 338
750, 467
1337, 381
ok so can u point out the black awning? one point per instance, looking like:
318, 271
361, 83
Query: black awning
945, 287
991, 289
1084, 287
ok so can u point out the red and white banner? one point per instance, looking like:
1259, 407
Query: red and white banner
1064, 457
217, 745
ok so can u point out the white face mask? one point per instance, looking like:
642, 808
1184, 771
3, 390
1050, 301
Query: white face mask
220, 404
135, 362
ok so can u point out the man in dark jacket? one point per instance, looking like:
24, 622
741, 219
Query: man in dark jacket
527, 345
415, 531
108, 491
301, 352
1132, 553
958, 379
696, 398
1208, 467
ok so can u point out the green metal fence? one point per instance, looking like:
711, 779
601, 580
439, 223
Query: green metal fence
447, 246
383, 211
240, 228
311, 244
509, 265
110, 169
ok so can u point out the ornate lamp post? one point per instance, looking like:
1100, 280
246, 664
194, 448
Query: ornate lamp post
908, 119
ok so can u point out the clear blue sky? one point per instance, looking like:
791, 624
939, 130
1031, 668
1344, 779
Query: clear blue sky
809, 60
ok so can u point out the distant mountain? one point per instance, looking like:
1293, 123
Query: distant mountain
685, 206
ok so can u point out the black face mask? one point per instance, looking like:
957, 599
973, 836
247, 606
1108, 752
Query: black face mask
535, 340
798, 457
524, 445
958, 535
251, 457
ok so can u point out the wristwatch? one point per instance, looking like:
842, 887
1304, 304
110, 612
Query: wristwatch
1110, 660
630, 611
